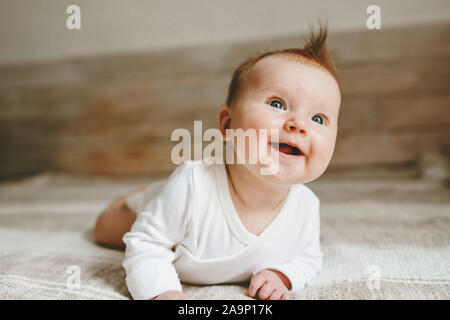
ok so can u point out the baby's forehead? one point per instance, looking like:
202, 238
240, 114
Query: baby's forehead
293, 76
278, 67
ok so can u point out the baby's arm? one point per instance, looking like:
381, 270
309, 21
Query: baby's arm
157, 230
275, 282
148, 257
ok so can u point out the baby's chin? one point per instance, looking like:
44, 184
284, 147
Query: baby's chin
285, 176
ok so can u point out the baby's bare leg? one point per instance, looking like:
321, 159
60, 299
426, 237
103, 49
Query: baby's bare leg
114, 222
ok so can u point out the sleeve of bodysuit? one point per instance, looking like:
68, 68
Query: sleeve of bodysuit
137, 201
157, 230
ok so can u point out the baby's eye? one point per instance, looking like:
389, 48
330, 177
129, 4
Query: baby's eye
276, 104
318, 119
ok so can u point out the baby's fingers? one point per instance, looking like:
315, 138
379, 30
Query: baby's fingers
255, 283
265, 291
276, 295
182, 296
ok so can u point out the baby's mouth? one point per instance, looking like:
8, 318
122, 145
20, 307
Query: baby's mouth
287, 149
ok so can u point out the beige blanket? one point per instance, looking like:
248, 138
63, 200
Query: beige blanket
381, 240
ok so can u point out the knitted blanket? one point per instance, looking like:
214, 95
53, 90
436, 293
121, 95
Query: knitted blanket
381, 239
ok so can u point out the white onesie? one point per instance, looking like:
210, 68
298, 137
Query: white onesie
187, 229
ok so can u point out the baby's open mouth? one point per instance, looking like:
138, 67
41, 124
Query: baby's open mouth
287, 148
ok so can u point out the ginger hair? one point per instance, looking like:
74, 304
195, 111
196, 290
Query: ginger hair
315, 51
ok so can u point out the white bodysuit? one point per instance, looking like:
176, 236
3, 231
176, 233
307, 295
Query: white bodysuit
187, 229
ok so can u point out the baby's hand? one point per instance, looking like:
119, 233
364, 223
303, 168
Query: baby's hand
269, 286
171, 295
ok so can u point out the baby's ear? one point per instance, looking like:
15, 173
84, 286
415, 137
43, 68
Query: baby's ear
224, 119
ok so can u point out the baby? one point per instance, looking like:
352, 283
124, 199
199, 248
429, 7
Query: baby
227, 223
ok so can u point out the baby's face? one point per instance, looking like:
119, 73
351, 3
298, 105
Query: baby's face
299, 99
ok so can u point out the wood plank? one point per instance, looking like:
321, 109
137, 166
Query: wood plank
405, 112
385, 148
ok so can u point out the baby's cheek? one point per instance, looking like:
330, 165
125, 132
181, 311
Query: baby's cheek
320, 154
259, 119
257, 124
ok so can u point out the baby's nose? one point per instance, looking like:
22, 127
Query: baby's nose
294, 126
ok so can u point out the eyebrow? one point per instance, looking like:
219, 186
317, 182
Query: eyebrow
275, 88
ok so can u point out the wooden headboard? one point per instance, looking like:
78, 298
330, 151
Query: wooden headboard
114, 115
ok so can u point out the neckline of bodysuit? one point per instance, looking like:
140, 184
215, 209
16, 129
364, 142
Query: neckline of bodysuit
232, 215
